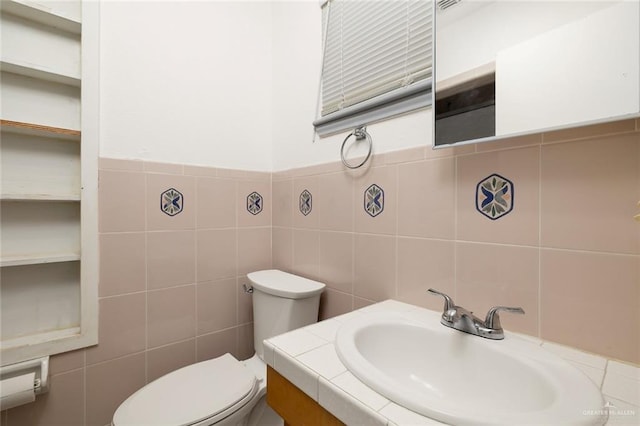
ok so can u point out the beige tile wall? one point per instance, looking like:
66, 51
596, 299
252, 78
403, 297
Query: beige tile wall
568, 253
170, 287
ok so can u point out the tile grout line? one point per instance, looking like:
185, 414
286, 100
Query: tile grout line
353, 267
583, 251
455, 225
237, 254
273, 213
396, 239
85, 384
540, 159
195, 267
146, 282
353, 242
117, 358
195, 263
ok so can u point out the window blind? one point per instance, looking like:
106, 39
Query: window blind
377, 60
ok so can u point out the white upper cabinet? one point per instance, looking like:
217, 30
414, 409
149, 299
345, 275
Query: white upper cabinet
506, 68
587, 70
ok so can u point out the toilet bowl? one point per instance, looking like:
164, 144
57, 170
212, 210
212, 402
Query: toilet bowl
225, 391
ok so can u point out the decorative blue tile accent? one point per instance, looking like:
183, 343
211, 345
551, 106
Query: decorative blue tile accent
254, 203
494, 196
374, 200
306, 202
171, 201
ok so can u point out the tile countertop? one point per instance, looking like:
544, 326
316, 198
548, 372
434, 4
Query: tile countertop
307, 358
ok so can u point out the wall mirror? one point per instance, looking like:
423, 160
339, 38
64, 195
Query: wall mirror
513, 67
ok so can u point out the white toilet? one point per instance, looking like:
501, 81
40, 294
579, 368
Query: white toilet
225, 391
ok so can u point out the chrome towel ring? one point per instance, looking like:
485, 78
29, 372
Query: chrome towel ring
359, 133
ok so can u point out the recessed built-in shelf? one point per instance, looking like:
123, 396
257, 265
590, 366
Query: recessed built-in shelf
27, 227
36, 168
31, 100
43, 14
38, 259
39, 299
48, 175
35, 339
38, 130
33, 71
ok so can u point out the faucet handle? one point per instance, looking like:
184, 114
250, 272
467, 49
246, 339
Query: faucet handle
448, 302
493, 318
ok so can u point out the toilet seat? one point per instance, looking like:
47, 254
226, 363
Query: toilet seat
202, 393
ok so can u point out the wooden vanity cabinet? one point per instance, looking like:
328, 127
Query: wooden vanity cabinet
293, 405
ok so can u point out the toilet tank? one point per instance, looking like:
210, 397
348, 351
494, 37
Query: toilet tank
282, 302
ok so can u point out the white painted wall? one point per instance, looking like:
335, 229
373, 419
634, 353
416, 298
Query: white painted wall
228, 84
234, 83
297, 44
187, 82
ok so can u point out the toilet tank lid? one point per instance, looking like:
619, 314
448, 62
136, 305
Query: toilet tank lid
283, 284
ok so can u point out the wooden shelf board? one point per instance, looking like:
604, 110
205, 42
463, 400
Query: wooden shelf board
29, 70
39, 130
41, 14
39, 197
38, 259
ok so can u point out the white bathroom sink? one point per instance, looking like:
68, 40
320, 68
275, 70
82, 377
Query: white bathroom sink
460, 379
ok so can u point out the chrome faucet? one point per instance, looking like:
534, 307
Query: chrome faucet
461, 319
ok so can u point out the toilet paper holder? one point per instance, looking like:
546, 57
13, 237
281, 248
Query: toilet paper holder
39, 367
